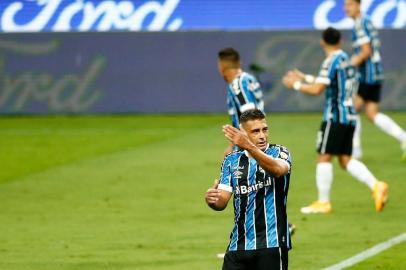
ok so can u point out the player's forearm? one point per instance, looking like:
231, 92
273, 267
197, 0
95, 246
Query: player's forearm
311, 89
266, 162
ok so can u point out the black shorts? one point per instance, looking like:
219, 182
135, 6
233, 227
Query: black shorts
370, 92
335, 139
261, 259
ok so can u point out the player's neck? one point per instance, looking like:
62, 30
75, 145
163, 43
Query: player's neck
331, 50
357, 16
232, 73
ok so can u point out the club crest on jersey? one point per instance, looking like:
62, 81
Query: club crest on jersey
283, 155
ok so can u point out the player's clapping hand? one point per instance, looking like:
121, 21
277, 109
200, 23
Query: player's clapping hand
289, 79
300, 75
236, 136
213, 194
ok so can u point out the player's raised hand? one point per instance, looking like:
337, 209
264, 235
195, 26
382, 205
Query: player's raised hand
213, 194
236, 136
300, 75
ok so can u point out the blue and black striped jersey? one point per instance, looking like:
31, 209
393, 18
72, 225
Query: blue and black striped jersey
243, 93
339, 76
259, 200
370, 71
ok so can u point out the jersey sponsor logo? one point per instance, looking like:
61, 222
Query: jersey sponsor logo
243, 189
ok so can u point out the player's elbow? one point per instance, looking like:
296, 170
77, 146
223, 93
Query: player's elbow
318, 90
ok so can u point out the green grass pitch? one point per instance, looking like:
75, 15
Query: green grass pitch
126, 192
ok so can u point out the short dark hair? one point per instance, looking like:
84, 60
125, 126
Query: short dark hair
358, 1
249, 115
331, 36
229, 54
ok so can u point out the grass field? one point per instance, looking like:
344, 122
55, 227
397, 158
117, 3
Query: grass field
126, 192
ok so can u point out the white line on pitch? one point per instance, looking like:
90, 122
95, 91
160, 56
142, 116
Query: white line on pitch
368, 253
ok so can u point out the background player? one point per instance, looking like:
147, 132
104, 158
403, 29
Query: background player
243, 92
368, 60
337, 79
258, 176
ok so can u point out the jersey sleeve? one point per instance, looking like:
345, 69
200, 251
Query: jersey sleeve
284, 156
225, 182
326, 73
362, 32
242, 92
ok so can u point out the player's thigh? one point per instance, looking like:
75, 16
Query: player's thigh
358, 102
272, 259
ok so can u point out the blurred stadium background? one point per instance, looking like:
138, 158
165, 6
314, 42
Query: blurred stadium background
110, 131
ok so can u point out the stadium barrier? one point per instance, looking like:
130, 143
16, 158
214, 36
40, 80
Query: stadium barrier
165, 72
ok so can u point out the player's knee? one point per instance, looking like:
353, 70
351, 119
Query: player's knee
371, 115
343, 161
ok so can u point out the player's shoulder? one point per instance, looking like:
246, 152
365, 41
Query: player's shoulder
363, 22
366, 19
236, 154
276, 149
341, 57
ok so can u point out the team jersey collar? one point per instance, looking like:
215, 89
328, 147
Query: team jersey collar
339, 51
249, 156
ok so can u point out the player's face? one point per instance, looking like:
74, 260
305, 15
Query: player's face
221, 67
257, 132
352, 8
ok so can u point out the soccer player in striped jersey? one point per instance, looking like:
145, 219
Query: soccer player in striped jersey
367, 58
337, 79
258, 177
243, 92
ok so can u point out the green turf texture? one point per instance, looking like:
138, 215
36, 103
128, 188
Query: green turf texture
126, 192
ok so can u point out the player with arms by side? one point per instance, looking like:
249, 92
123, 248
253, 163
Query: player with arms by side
367, 59
337, 79
258, 177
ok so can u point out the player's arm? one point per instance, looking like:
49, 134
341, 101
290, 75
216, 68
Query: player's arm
275, 167
216, 198
294, 81
363, 55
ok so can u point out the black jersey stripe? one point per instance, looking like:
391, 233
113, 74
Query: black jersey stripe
281, 211
242, 181
260, 223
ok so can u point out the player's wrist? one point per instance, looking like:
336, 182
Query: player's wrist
309, 78
297, 85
